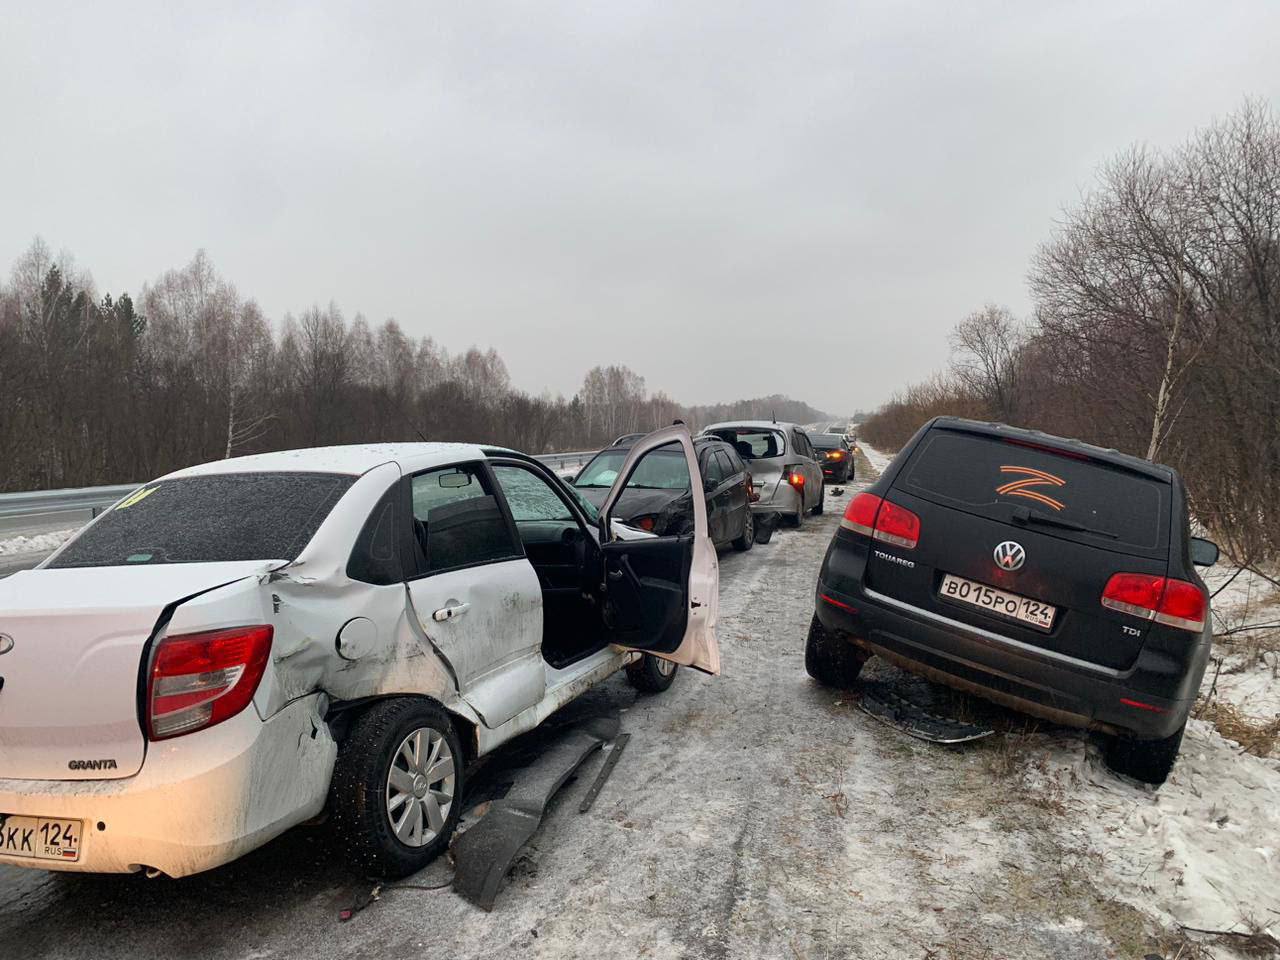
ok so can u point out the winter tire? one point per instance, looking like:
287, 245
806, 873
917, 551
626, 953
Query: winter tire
651, 674
1147, 760
748, 538
397, 787
832, 661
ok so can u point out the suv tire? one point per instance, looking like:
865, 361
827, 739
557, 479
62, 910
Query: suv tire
1147, 760
651, 674
361, 794
832, 661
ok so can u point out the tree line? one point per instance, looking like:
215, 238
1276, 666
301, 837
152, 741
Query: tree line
1155, 328
102, 389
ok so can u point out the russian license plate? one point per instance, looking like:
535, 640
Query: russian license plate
1009, 605
40, 838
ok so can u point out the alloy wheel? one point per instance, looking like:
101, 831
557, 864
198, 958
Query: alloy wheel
420, 787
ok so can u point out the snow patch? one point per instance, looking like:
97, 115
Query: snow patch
36, 543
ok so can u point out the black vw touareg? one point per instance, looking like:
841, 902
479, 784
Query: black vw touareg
1046, 574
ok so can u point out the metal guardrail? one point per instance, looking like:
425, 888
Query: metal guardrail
35, 504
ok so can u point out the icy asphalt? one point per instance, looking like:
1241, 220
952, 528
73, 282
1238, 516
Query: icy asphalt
756, 815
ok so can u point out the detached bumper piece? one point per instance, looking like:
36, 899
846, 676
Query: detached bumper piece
486, 852
893, 704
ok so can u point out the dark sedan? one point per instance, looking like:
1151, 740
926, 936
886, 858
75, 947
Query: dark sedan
658, 496
835, 456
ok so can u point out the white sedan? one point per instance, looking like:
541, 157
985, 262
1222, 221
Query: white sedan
235, 646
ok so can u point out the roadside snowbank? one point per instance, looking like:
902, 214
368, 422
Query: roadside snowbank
1202, 851
878, 460
36, 543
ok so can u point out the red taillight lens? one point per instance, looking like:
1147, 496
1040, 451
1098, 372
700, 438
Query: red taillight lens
1174, 603
860, 514
897, 525
1133, 593
1183, 605
883, 520
794, 477
199, 679
753, 495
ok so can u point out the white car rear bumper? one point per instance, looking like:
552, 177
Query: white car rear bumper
199, 801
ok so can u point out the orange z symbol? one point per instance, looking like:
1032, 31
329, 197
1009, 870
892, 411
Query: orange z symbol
1032, 478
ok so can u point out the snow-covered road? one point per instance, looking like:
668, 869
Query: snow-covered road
759, 815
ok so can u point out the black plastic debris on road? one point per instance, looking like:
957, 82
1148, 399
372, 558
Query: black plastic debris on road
485, 853
890, 703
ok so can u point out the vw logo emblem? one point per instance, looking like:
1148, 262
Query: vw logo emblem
1010, 556
6, 643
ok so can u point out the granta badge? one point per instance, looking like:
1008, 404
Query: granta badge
6, 643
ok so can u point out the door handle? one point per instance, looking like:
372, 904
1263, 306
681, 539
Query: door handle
450, 612
615, 574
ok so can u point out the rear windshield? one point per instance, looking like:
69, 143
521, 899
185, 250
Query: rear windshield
232, 516
994, 478
752, 443
826, 441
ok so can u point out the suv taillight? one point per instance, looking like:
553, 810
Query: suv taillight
1174, 603
199, 679
881, 519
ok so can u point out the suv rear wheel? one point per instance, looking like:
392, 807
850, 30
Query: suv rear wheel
832, 661
397, 787
748, 538
1147, 760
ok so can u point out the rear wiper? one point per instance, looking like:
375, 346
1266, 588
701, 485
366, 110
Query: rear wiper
1027, 515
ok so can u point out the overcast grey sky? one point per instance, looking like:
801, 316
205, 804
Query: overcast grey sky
733, 198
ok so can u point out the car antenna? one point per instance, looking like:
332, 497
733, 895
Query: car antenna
405, 417
774, 414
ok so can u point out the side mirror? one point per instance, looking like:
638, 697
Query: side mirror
1204, 553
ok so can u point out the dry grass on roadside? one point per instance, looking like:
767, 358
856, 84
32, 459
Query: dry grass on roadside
1256, 735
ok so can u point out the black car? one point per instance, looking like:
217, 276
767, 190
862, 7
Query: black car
1046, 574
835, 456
657, 497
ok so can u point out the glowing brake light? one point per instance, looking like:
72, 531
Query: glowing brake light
794, 476
882, 520
1174, 603
835, 455
200, 679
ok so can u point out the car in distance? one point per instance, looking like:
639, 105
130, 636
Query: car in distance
1043, 573
234, 647
834, 455
783, 465
658, 496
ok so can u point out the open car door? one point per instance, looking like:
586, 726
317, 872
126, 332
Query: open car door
662, 594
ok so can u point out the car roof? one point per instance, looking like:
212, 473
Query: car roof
698, 441
354, 459
753, 424
1102, 454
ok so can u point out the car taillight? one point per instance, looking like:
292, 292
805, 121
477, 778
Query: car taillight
753, 495
835, 455
793, 476
897, 525
882, 520
199, 679
1174, 603
860, 514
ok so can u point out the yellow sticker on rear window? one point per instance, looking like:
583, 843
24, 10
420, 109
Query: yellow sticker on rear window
136, 497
